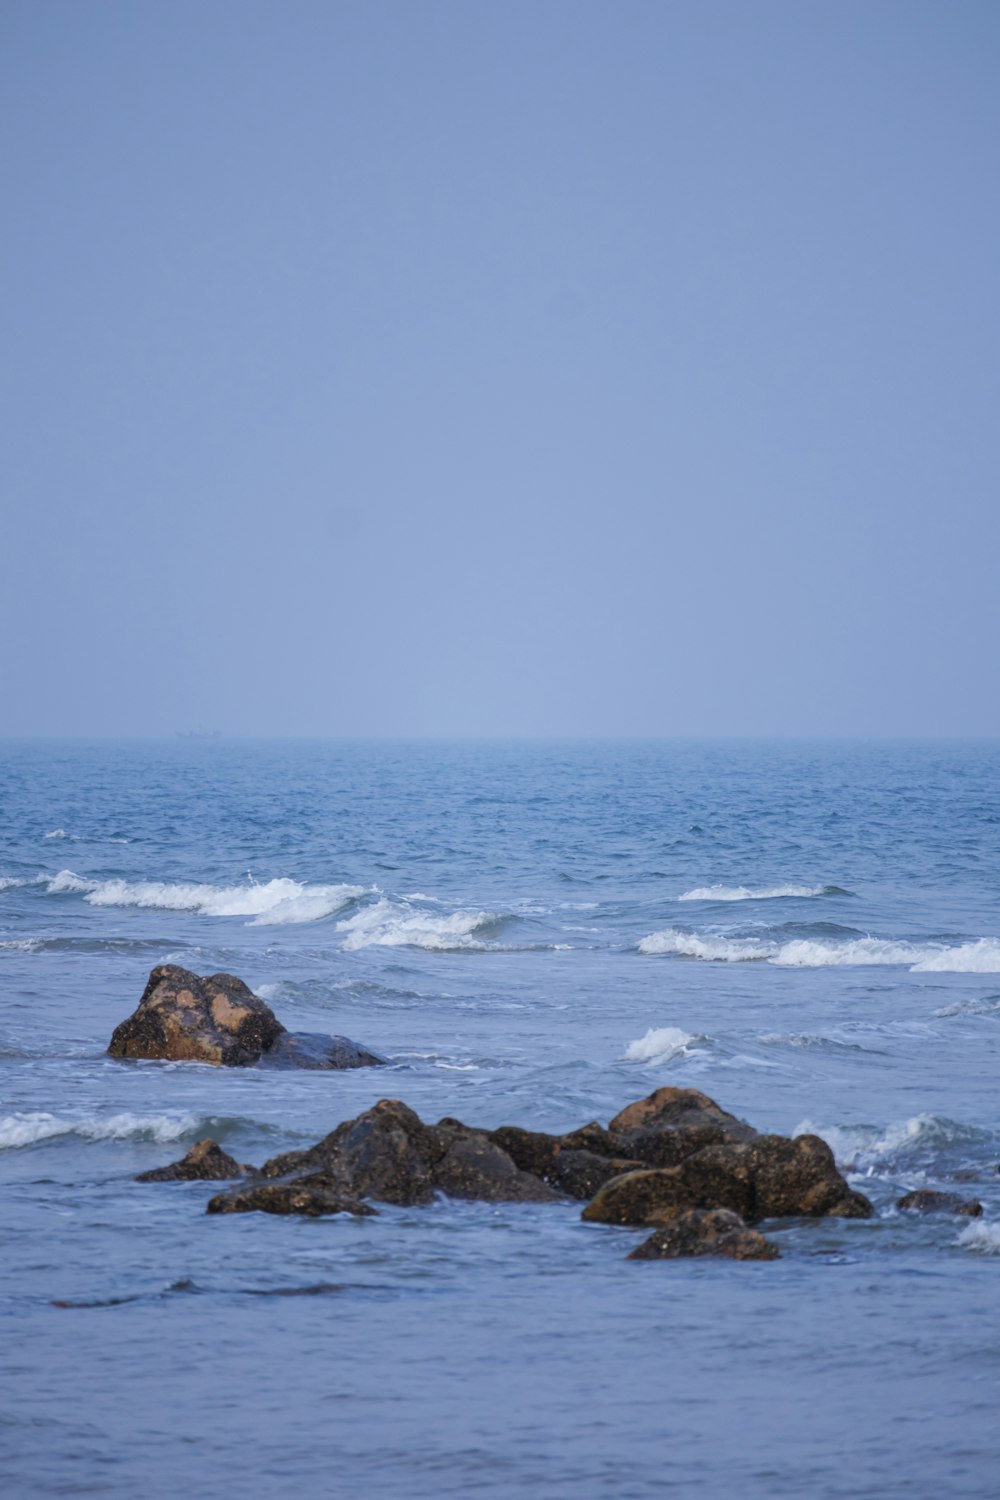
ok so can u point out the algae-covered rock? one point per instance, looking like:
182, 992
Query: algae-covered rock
712, 1231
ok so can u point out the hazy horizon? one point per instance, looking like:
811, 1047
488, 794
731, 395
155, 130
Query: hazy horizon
466, 371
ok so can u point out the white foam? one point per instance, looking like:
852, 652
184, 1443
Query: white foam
8, 882
24, 1129
869, 1148
57, 833
660, 1044
392, 924
274, 903
750, 893
982, 1236
706, 946
981, 956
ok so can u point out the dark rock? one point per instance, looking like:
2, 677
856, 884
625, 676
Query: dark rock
673, 1124
214, 1020
206, 1161
389, 1154
713, 1231
769, 1177
567, 1162
311, 1049
219, 1020
928, 1201
312, 1196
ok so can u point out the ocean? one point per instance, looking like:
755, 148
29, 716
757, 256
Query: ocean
531, 933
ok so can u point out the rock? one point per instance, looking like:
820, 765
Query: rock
312, 1196
206, 1161
218, 1020
311, 1049
928, 1201
713, 1231
214, 1020
673, 1124
766, 1178
389, 1154
565, 1162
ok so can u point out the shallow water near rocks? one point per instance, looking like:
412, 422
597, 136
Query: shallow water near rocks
531, 934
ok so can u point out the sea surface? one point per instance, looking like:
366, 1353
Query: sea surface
532, 934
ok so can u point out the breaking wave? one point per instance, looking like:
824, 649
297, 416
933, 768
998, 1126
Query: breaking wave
982, 1236
760, 893
660, 1044
397, 924
270, 904
905, 1144
24, 1129
981, 956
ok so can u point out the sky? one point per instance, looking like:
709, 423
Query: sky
530, 367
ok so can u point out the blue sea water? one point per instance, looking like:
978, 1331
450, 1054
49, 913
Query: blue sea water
532, 934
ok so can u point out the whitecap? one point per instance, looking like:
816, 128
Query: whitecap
25, 1129
275, 902
396, 924
872, 1148
981, 1235
8, 882
57, 833
981, 956
758, 893
660, 1044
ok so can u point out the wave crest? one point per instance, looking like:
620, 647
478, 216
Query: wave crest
660, 1044
24, 1129
272, 903
392, 924
978, 956
760, 893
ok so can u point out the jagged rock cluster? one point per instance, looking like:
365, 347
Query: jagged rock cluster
675, 1162
217, 1019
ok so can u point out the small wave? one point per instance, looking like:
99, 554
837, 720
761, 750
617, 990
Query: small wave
392, 924
8, 882
759, 893
271, 904
989, 1005
660, 1044
808, 1041
872, 1149
24, 1129
981, 956
982, 1236
57, 833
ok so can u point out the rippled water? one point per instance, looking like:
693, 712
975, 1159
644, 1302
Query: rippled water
531, 934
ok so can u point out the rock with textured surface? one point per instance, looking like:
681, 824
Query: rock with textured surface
205, 1162
217, 1019
713, 1231
183, 1017
672, 1124
389, 1154
568, 1163
769, 1177
312, 1196
928, 1201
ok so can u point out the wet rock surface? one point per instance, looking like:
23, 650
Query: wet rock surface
768, 1177
312, 1196
390, 1155
205, 1162
929, 1201
714, 1231
217, 1019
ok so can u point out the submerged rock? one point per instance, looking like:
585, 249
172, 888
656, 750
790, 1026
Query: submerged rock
929, 1201
713, 1231
205, 1162
311, 1049
769, 1177
217, 1019
312, 1196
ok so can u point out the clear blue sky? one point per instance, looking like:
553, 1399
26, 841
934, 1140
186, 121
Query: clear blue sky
523, 367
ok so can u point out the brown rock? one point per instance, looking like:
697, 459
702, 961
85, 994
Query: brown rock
769, 1177
673, 1124
574, 1164
312, 1196
206, 1161
389, 1154
180, 1016
713, 1231
928, 1201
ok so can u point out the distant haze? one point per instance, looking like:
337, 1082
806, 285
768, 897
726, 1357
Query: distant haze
468, 368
